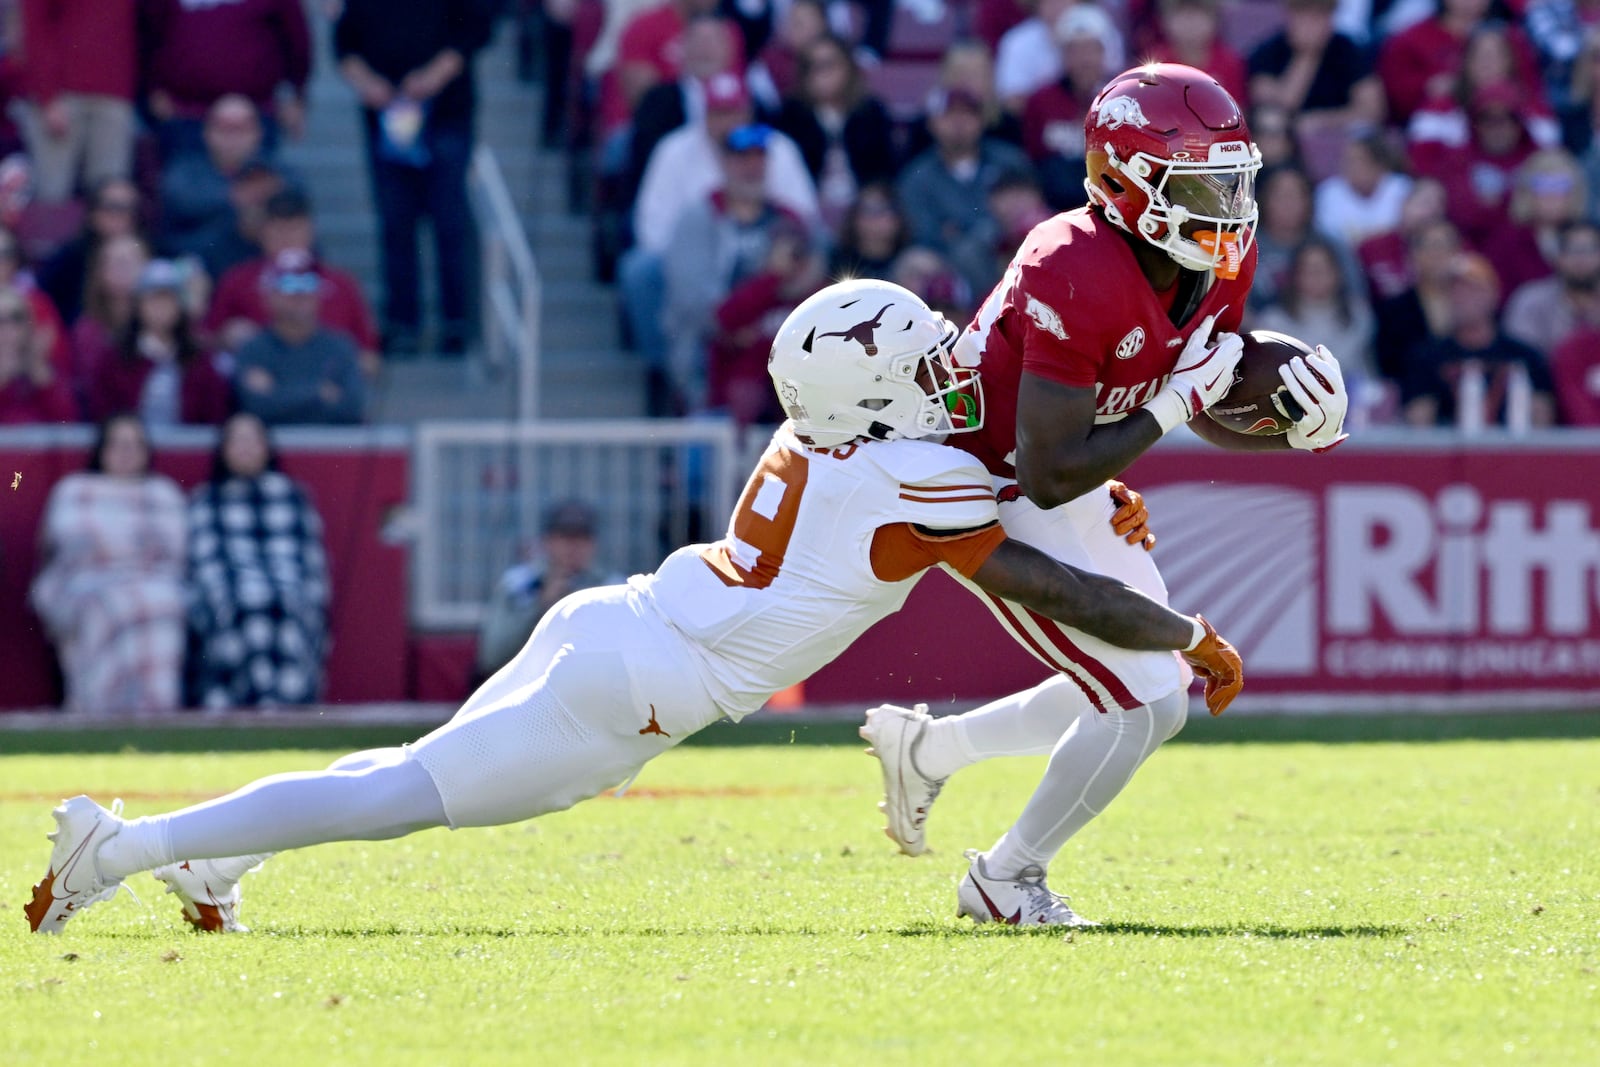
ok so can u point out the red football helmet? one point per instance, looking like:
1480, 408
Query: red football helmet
1169, 152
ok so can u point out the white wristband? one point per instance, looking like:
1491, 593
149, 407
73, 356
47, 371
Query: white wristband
1199, 635
1170, 408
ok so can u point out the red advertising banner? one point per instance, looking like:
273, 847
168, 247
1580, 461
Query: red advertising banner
356, 477
1405, 572
1470, 575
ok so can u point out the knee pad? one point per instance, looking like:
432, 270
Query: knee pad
1169, 713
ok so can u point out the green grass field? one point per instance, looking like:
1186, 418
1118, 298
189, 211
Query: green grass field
1266, 901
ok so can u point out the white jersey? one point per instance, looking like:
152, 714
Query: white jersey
823, 543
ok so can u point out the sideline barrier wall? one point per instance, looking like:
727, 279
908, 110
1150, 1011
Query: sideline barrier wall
357, 478
1404, 570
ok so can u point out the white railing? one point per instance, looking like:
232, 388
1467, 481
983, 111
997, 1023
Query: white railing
479, 490
510, 283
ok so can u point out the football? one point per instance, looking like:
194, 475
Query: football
1259, 403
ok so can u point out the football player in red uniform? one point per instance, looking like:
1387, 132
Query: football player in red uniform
1113, 325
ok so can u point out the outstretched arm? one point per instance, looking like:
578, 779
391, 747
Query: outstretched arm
1102, 607
1113, 611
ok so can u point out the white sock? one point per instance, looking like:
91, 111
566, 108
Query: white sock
383, 800
1094, 761
1022, 724
233, 868
140, 845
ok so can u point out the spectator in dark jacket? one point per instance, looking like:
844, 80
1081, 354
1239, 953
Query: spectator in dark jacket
414, 77
113, 212
1476, 376
709, 49
79, 71
194, 54
945, 191
872, 236
844, 132
211, 203
297, 370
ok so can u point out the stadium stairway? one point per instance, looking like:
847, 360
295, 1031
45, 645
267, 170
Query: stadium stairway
586, 371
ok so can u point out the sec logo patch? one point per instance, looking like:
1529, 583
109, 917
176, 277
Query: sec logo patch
1130, 345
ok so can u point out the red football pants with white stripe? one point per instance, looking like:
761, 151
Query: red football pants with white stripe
1079, 533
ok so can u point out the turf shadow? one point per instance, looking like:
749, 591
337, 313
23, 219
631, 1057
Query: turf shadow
1269, 931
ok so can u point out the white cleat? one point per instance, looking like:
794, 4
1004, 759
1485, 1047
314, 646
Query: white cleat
73, 881
1021, 901
908, 795
210, 900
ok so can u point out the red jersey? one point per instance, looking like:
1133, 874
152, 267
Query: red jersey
1075, 308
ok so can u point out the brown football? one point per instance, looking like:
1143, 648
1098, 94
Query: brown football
1259, 403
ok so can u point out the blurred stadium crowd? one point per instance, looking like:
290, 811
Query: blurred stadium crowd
1427, 201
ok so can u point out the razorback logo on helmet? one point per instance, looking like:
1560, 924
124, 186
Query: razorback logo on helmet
1121, 111
1045, 317
1131, 343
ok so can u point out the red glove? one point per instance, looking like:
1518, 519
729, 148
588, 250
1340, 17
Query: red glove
1131, 520
1219, 664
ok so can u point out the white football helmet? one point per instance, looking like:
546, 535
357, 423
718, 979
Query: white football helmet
865, 358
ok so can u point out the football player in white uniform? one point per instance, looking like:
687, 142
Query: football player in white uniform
843, 513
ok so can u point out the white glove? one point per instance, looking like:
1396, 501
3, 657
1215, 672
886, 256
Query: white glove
1324, 405
1204, 372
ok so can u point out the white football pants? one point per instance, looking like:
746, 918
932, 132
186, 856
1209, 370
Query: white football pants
602, 686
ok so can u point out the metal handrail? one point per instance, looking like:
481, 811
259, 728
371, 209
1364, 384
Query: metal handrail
511, 283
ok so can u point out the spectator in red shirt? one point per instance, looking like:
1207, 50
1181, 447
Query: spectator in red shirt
1548, 192
1477, 177
747, 321
775, 74
1575, 367
1421, 62
156, 368
238, 310
108, 306
1189, 35
193, 54
1441, 124
30, 389
79, 72
1052, 118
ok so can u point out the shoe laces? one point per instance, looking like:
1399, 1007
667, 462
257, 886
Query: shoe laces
1040, 897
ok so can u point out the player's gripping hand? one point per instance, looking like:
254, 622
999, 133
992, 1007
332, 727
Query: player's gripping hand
1204, 372
1317, 385
1131, 520
1218, 662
